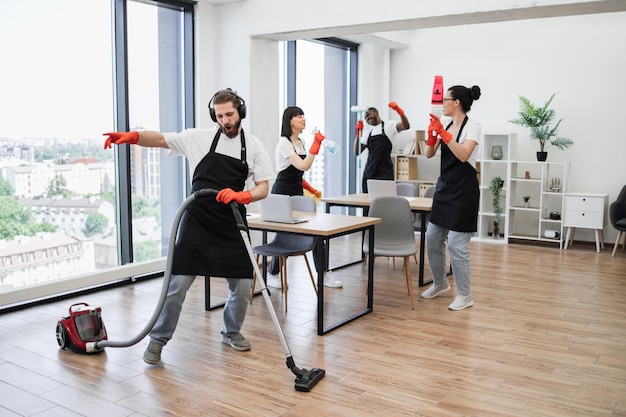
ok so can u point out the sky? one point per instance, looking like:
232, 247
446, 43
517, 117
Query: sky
56, 71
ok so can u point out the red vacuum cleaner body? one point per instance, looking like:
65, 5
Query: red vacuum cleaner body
84, 325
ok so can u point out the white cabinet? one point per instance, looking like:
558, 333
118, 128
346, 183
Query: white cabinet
585, 210
488, 167
545, 183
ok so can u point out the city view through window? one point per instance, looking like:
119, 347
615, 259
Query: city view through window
57, 183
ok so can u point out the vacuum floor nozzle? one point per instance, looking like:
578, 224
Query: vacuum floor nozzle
308, 379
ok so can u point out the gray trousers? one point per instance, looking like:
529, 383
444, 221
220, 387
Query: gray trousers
235, 308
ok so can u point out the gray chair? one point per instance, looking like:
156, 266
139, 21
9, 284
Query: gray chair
394, 235
408, 189
285, 245
429, 193
617, 214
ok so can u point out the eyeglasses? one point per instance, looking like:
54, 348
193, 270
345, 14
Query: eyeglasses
448, 99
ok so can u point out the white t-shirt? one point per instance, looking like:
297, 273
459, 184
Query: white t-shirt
194, 144
390, 130
284, 149
471, 131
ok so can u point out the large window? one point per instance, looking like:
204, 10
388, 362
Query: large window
72, 70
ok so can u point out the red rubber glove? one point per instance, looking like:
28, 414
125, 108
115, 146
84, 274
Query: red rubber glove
120, 137
317, 142
397, 108
227, 195
431, 131
310, 189
359, 128
438, 127
432, 139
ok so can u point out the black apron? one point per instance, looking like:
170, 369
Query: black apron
378, 165
289, 180
455, 203
209, 242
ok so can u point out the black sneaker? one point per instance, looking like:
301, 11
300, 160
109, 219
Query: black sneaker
236, 341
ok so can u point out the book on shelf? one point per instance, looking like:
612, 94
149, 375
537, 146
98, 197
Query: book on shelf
420, 141
410, 148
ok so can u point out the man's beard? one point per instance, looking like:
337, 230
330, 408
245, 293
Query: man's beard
233, 131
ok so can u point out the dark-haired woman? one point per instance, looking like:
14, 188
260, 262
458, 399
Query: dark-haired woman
455, 203
292, 160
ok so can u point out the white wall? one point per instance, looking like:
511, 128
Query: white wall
581, 58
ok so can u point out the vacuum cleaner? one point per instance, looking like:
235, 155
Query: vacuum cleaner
83, 331
83, 325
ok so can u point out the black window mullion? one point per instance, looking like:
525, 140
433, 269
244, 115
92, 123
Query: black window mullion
120, 82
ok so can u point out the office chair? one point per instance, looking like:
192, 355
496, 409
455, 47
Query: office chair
408, 189
394, 236
285, 245
617, 214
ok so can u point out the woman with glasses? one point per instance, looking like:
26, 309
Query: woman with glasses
455, 203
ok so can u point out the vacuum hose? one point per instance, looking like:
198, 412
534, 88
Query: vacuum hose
101, 344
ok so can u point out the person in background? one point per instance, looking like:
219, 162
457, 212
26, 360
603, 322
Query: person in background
292, 160
209, 242
377, 139
455, 203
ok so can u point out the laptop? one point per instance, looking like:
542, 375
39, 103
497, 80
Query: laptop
381, 188
277, 208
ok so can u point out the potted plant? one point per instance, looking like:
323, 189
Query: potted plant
539, 120
526, 201
495, 187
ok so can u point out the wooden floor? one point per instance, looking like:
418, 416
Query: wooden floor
546, 337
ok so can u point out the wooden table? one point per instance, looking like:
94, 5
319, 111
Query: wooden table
420, 205
324, 226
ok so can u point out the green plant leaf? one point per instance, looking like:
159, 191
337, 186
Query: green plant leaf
539, 120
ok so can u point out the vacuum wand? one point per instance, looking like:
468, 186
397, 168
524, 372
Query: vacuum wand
101, 344
305, 379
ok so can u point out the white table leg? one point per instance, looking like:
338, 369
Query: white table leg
568, 236
598, 241
602, 239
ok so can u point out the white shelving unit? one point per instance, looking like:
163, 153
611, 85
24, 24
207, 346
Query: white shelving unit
489, 168
545, 183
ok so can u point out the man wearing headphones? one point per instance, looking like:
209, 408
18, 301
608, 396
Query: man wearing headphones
209, 242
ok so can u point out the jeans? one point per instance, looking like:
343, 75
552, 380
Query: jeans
459, 256
234, 310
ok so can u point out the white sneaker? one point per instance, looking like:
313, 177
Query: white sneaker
274, 281
331, 282
435, 290
461, 302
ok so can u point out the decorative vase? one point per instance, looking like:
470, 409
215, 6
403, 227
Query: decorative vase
542, 156
496, 152
496, 230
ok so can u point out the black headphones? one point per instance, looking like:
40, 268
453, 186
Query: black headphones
241, 109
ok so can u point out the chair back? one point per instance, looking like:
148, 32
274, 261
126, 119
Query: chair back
429, 193
394, 235
617, 211
406, 189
